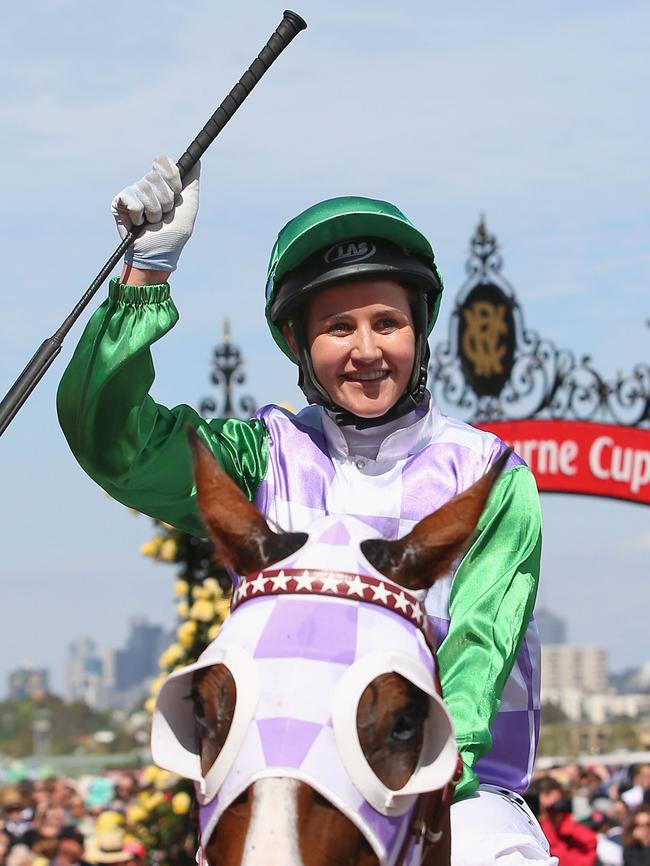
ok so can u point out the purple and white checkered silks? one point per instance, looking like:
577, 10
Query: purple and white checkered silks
300, 665
311, 474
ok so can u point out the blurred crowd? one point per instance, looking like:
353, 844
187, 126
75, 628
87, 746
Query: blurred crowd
595, 815
93, 820
592, 816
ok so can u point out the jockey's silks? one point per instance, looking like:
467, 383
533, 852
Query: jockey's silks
297, 468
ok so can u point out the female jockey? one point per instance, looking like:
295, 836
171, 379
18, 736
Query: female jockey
352, 294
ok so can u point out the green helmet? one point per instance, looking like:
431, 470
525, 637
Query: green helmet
344, 238
338, 220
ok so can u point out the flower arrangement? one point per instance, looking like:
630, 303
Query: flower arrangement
162, 818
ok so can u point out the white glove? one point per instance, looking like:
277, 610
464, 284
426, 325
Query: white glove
169, 209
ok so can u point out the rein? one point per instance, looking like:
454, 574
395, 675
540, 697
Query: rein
429, 816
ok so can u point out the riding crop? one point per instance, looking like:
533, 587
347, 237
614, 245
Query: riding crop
288, 28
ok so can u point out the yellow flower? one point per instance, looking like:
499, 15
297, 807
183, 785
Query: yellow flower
156, 685
200, 592
150, 705
168, 550
152, 548
202, 610
181, 803
172, 654
212, 586
135, 815
222, 608
163, 780
181, 587
182, 609
154, 801
186, 633
213, 631
149, 775
108, 821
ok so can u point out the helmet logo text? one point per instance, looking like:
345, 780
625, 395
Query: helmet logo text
350, 252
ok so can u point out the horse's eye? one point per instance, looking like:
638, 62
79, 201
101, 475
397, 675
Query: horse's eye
199, 714
406, 724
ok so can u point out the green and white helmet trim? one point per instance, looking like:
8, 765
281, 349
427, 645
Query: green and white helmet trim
345, 229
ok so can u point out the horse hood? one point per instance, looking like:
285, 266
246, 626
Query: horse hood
301, 656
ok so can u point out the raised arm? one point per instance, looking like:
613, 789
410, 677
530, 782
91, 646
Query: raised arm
133, 447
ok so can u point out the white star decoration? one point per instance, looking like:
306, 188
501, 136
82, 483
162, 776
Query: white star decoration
257, 585
400, 601
304, 580
380, 593
333, 583
356, 586
279, 581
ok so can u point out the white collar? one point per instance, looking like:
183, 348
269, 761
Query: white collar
420, 427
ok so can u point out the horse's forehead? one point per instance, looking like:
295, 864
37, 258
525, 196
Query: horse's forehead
333, 543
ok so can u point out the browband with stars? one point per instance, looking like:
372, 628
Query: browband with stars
309, 581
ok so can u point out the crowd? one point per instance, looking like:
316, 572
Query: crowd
94, 820
592, 816
595, 815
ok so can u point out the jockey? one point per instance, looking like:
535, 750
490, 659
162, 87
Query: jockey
352, 294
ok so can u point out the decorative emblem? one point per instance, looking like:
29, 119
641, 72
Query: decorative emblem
493, 368
486, 338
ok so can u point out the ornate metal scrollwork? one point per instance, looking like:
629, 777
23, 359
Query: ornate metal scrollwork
227, 372
493, 368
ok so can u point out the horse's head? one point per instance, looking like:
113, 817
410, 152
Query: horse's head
313, 723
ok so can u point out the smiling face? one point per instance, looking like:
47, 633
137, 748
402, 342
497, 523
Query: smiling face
362, 344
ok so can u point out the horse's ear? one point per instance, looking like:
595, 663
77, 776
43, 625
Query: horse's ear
427, 552
241, 536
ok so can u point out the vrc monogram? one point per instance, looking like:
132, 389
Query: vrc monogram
485, 326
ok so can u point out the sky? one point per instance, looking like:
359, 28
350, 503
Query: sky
534, 115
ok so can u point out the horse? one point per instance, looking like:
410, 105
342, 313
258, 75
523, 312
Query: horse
313, 725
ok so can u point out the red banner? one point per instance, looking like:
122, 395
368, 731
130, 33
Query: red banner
579, 457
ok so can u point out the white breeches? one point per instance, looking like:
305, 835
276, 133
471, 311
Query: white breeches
495, 826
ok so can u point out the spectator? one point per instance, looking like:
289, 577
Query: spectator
70, 848
640, 790
13, 808
636, 841
572, 843
610, 836
21, 855
5, 842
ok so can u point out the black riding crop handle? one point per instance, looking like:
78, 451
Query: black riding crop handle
288, 28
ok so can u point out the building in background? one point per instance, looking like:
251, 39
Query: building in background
114, 677
552, 628
576, 679
27, 683
84, 678
566, 666
139, 659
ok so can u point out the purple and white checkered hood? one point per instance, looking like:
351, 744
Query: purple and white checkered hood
300, 664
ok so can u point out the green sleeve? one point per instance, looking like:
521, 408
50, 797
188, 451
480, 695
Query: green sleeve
133, 447
491, 603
